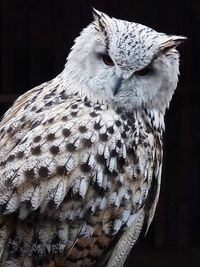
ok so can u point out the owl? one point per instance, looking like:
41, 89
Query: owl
81, 155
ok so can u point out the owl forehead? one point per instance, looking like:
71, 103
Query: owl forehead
132, 45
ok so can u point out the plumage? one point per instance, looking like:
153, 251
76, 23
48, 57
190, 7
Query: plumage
81, 155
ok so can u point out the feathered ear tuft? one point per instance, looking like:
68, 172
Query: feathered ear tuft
101, 19
171, 41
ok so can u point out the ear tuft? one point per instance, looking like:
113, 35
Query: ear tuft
101, 19
171, 41
96, 13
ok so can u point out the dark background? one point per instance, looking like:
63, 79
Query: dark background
36, 36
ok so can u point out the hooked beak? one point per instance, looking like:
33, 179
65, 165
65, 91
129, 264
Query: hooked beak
121, 76
118, 84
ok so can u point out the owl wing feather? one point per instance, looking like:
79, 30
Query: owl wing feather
74, 176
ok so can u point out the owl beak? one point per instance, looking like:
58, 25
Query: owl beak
118, 84
121, 76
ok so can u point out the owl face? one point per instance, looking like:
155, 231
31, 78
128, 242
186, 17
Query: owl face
125, 64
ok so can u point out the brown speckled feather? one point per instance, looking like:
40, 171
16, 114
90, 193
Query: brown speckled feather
74, 175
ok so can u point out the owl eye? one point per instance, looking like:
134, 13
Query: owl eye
143, 72
107, 60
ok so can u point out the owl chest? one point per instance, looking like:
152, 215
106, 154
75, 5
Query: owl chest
115, 167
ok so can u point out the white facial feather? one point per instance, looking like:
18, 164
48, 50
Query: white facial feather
132, 47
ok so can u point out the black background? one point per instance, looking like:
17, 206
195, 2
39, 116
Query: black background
36, 36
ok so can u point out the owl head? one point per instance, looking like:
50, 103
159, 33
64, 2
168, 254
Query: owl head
124, 64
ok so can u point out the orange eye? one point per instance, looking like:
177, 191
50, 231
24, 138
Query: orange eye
107, 60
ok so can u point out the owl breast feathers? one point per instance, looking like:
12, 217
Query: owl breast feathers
81, 155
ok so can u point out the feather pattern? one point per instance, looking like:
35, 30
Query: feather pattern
81, 155
79, 182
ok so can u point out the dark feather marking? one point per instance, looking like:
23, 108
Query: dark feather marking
51, 137
123, 117
63, 95
87, 104
51, 120
131, 153
100, 191
2, 130
64, 118
26, 106
113, 153
101, 159
54, 150
119, 144
9, 130
66, 132
61, 170
10, 158
107, 171
35, 124
103, 137
75, 106
126, 128
82, 129
2, 163
71, 147
9, 182
86, 142
39, 110
23, 118
93, 114
115, 173
36, 139
120, 164
74, 113
85, 167
97, 126
24, 140
119, 110
43, 172
29, 174
124, 135
48, 95
36, 150
118, 123
98, 108
33, 108
110, 130
48, 104
33, 99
